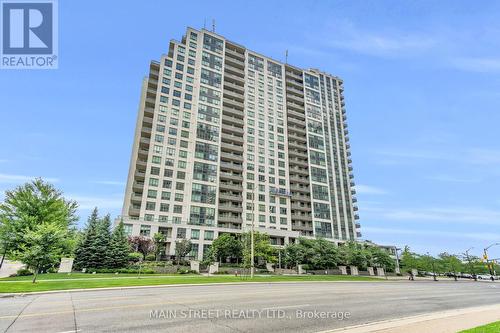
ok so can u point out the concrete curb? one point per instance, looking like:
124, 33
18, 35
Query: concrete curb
410, 324
21, 294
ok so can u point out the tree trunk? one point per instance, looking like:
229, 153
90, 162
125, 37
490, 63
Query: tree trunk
3, 256
35, 274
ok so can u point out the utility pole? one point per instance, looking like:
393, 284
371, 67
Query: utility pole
471, 266
252, 246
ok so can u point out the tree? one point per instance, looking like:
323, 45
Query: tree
381, 258
293, 255
262, 248
451, 263
119, 248
356, 255
93, 251
430, 264
27, 207
141, 244
226, 246
410, 261
42, 247
159, 244
182, 248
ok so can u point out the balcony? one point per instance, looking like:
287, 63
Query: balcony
299, 115
228, 196
298, 171
231, 157
232, 121
356, 216
233, 138
234, 87
232, 102
233, 130
358, 234
231, 176
232, 112
231, 166
301, 217
229, 219
235, 54
231, 186
232, 95
230, 208
354, 199
236, 78
357, 225
303, 189
232, 147
303, 208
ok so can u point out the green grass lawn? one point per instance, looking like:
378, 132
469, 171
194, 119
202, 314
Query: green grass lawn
84, 281
490, 328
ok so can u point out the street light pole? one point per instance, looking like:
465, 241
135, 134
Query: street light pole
474, 276
252, 247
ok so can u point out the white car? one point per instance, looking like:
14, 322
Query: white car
484, 276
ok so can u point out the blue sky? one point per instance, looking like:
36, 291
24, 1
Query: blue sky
422, 88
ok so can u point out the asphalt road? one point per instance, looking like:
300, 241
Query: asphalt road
283, 307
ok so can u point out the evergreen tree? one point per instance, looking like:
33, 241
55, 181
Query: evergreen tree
119, 248
83, 250
99, 256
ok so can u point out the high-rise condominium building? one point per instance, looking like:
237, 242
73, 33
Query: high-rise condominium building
226, 138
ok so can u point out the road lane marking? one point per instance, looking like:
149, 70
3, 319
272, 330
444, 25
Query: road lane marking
287, 307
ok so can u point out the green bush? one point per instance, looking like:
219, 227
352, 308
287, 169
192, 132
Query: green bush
150, 257
23, 272
186, 271
121, 270
134, 256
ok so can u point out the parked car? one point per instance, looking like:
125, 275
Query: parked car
466, 276
484, 276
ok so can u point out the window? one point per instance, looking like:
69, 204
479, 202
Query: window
208, 113
145, 230
318, 175
210, 96
207, 132
212, 44
323, 229
178, 209
195, 234
320, 192
321, 210
205, 172
274, 69
316, 142
202, 216
203, 193
315, 127
255, 63
209, 235
211, 78
206, 151
317, 158
127, 228
311, 81
181, 232
212, 61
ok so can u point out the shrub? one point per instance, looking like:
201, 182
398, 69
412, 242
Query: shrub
134, 256
186, 271
23, 272
150, 257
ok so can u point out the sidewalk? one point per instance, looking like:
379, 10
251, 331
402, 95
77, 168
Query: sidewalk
450, 321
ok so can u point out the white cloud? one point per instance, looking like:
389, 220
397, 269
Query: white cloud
366, 189
15, 179
89, 202
345, 35
432, 214
109, 182
451, 179
482, 236
481, 65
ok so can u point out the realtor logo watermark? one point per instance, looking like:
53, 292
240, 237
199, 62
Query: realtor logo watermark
29, 34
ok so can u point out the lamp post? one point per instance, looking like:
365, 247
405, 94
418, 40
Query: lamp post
252, 247
471, 266
490, 267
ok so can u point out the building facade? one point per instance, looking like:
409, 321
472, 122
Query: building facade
227, 138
